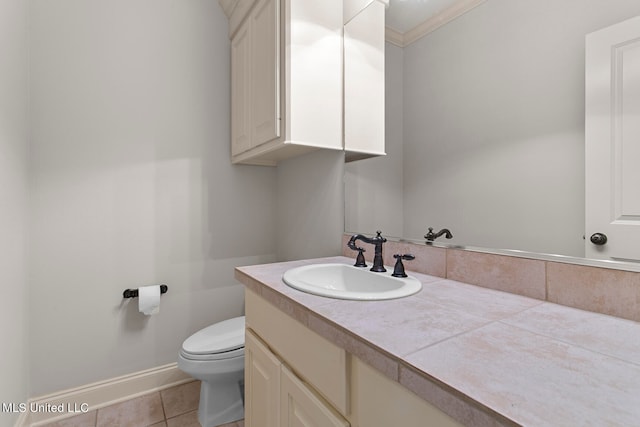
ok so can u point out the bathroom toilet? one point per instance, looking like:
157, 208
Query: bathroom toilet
215, 356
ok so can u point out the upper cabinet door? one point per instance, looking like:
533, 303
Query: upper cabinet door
313, 73
612, 131
241, 89
265, 71
364, 83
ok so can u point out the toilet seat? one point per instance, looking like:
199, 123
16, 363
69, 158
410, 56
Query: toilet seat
223, 340
213, 356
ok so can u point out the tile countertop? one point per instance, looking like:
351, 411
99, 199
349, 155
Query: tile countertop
485, 357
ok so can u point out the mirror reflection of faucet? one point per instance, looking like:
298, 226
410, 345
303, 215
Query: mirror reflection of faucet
377, 241
431, 236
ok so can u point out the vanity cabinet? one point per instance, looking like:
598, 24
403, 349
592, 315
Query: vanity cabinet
302, 78
292, 378
295, 377
276, 397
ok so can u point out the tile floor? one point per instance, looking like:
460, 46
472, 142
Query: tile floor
173, 407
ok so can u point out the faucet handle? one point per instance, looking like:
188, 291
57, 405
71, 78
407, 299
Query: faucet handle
398, 270
360, 262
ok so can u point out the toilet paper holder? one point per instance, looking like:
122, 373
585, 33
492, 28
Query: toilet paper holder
133, 293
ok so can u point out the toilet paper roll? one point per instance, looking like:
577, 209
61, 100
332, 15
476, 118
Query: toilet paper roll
149, 299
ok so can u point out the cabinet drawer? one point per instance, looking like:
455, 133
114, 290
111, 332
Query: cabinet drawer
379, 401
315, 359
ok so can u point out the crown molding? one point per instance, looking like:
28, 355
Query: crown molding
228, 6
394, 37
430, 25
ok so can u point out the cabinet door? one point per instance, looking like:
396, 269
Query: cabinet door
265, 71
262, 384
364, 102
301, 408
241, 89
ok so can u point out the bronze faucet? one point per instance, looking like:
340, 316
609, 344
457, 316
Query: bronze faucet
377, 242
431, 236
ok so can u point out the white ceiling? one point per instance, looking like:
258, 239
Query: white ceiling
404, 15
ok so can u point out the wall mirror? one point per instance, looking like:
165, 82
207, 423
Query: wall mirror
485, 126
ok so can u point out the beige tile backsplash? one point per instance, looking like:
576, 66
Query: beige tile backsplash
596, 289
503, 273
601, 290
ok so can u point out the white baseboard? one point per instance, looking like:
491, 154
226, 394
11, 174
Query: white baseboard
101, 394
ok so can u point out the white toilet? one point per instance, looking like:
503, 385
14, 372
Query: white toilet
215, 356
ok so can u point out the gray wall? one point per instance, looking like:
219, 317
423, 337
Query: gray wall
132, 185
13, 205
373, 187
129, 183
494, 124
310, 199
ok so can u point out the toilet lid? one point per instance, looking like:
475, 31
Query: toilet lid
217, 338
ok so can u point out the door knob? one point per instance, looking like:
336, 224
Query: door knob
598, 239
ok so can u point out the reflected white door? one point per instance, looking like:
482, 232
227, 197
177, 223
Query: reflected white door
612, 131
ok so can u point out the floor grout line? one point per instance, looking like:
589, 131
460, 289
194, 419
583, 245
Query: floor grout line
181, 397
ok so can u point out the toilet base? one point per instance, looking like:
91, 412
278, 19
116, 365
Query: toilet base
220, 405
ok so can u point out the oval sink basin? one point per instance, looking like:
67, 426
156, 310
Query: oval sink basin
348, 282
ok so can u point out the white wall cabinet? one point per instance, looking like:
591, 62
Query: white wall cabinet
255, 115
241, 91
295, 377
364, 84
294, 65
